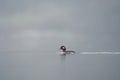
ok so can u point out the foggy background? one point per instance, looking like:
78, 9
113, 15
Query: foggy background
31, 28
44, 25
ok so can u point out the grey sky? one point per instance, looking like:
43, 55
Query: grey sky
82, 25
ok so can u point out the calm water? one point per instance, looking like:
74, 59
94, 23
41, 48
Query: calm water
52, 66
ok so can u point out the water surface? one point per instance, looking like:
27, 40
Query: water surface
52, 66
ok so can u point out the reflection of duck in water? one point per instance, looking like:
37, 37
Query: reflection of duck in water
64, 51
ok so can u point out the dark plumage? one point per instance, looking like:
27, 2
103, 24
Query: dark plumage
64, 51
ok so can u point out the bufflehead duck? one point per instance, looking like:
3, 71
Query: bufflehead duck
64, 51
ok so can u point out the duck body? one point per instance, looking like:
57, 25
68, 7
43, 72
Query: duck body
64, 51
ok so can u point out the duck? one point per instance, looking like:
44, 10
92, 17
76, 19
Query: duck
64, 51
